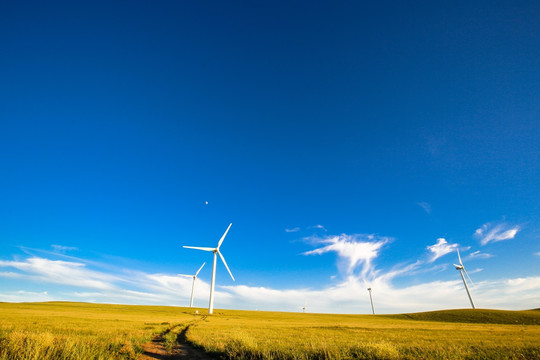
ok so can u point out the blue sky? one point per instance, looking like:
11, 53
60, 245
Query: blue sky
350, 144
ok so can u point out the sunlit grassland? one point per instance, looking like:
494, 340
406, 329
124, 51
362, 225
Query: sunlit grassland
59, 331
92, 331
262, 335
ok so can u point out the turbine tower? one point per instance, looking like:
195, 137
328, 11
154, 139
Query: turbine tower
193, 285
216, 252
461, 269
371, 299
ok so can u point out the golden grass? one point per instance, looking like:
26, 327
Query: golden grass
90, 331
266, 335
58, 331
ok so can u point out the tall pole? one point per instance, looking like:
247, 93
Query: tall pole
371, 299
192, 288
466, 287
211, 305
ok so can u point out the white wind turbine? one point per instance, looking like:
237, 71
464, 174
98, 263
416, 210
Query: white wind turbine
215, 251
461, 269
193, 285
371, 299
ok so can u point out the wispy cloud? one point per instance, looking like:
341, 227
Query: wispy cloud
61, 272
127, 286
476, 271
296, 229
351, 296
353, 250
62, 249
27, 296
537, 253
346, 296
441, 248
401, 270
479, 255
492, 233
425, 206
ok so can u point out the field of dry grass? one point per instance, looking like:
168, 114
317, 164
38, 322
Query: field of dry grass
58, 331
92, 331
484, 334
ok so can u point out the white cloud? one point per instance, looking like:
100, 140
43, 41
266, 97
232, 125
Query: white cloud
402, 270
492, 233
26, 296
10, 274
476, 271
347, 296
479, 255
296, 229
61, 272
82, 280
537, 254
62, 249
353, 250
351, 296
270, 299
425, 206
441, 248
111, 285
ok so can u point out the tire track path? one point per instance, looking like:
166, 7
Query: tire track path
182, 349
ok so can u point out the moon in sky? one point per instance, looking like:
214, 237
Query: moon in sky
206, 202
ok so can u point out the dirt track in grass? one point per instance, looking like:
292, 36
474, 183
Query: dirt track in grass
182, 350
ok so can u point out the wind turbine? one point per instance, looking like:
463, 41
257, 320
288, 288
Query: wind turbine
215, 251
304, 307
193, 285
370, 298
461, 269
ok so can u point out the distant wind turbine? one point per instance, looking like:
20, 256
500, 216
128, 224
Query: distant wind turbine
461, 269
303, 308
215, 251
193, 285
371, 299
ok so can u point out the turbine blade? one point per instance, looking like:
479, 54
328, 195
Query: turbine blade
190, 276
223, 237
468, 276
198, 271
199, 248
225, 263
460, 262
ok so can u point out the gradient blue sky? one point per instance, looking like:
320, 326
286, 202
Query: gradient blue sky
350, 144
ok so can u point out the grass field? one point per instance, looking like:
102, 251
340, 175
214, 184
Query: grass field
58, 331
90, 331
